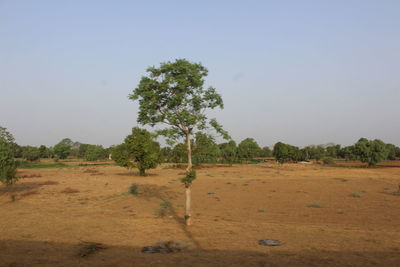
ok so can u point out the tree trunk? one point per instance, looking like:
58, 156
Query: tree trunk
188, 216
188, 191
189, 150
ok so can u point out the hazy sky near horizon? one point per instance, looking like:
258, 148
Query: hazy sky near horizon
301, 72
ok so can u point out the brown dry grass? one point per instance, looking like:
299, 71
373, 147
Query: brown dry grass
233, 208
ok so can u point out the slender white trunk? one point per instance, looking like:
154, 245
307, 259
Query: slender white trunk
188, 189
189, 150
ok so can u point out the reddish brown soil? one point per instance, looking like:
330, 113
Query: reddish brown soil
233, 208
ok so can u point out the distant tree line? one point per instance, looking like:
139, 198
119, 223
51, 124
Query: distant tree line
368, 151
206, 150
141, 150
62, 150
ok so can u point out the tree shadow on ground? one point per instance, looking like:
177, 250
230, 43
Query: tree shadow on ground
44, 253
21, 187
136, 174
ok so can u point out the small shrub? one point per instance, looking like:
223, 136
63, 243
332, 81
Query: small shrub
314, 206
356, 195
133, 189
88, 248
164, 210
328, 161
13, 197
189, 178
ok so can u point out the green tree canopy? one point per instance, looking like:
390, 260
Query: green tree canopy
179, 153
44, 152
63, 149
248, 149
205, 150
8, 168
121, 156
95, 152
139, 149
370, 151
284, 152
30, 153
229, 152
266, 152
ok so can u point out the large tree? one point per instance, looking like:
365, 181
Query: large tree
174, 94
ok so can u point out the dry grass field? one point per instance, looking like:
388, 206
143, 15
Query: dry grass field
325, 216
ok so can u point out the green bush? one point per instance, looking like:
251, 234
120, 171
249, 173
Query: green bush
328, 161
8, 166
133, 189
30, 153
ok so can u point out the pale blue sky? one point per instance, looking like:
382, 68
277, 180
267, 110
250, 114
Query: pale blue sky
301, 72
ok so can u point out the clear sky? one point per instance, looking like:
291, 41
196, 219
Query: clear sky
301, 72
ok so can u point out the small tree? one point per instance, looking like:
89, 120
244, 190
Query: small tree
143, 149
139, 149
94, 152
371, 151
229, 152
333, 151
248, 149
8, 168
391, 151
179, 153
63, 149
173, 94
30, 153
121, 156
205, 150
44, 152
166, 154
281, 152
266, 152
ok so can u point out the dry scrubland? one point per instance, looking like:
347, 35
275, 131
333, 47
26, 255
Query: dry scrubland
323, 215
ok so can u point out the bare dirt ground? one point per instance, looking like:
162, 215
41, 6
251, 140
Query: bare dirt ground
325, 216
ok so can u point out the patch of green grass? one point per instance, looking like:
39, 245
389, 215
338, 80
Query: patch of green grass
228, 183
356, 195
261, 210
93, 164
25, 165
211, 193
317, 206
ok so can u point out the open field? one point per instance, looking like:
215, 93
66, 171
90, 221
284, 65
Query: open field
343, 216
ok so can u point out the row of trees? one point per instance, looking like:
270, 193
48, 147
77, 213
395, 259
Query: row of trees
140, 149
368, 151
64, 149
206, 150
